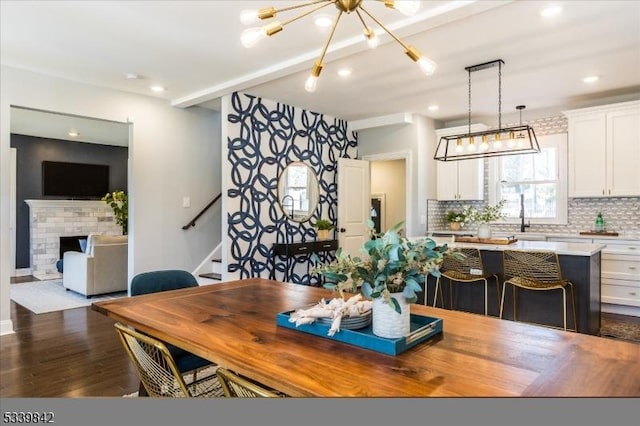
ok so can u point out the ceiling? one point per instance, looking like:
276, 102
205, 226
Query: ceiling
193, 49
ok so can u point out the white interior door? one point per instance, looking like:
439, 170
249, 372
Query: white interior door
354, 204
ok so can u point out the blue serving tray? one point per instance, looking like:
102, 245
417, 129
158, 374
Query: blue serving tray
422, 328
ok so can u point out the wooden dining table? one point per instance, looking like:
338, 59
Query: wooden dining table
233, 324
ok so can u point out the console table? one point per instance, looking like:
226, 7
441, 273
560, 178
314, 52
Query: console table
300, 248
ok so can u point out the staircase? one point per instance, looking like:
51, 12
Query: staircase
210, 270
215, 275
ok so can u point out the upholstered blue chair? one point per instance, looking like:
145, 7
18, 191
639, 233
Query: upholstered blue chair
173, 279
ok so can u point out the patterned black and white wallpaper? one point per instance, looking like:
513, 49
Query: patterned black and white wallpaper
263, 137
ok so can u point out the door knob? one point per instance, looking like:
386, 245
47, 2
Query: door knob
343, 230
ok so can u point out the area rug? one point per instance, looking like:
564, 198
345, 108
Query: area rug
48, 296
620, 329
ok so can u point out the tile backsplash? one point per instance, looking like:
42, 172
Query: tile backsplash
621, 214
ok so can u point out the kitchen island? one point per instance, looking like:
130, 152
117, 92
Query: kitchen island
580, 263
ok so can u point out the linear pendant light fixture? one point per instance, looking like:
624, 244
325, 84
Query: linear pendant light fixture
251, 36
489, 143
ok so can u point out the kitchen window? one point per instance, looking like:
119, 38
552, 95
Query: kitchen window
542, 178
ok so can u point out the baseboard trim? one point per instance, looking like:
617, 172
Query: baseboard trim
620, 309
23, 272
6, 327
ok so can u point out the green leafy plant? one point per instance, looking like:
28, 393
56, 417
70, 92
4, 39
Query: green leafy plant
323, 224
392, 264
119, 202
487, 214
455, 217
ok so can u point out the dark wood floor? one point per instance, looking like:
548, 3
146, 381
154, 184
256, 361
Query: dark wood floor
73, 353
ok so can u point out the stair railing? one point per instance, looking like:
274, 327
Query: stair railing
193, 221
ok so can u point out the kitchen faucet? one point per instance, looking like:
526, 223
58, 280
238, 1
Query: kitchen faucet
292, 204
522, 224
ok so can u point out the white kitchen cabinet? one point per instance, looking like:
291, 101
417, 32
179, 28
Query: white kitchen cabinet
620, 272
604, 150
463, 179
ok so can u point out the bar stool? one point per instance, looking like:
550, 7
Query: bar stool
536, 270
466, 268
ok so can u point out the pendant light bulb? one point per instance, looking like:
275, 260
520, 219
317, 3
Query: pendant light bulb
511, 142
498, 141
406, 7
472, 145
484, 145
251, 36
459, 147
249, 16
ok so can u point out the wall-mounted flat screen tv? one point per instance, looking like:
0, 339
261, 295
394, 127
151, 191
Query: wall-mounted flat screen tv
74, 180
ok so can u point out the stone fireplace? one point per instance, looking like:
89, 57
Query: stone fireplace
51, 219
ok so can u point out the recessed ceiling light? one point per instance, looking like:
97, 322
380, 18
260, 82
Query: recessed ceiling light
157, 89
323, 21
433, 108
131, 76
591, 79
344, 72
550, 11
73, 133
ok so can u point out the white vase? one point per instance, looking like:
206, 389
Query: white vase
387, 322
484, 230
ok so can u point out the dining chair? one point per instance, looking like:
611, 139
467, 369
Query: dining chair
166, 280
158, 370
465, 267
235, 386
536, 270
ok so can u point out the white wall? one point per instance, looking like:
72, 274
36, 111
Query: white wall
173, 153
417, 138
388, 178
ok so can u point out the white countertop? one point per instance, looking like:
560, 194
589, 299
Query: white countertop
564, 248
542, 236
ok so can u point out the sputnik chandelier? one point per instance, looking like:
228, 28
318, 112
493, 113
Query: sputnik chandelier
251, 36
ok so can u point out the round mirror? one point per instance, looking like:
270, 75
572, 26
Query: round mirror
298, 192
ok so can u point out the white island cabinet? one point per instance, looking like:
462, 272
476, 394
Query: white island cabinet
604, 150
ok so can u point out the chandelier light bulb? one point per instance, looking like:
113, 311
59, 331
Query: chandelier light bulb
249, 16
251, 36
311, 83
427, 66
472, 145
498, 141
406, 7
371, 37
512, 140
459, 147
484, 145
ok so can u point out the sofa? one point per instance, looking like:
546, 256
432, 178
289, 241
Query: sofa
101, 269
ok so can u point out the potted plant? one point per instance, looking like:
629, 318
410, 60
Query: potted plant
456, 219
390, 273
484, 217
119, 203
323, 227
